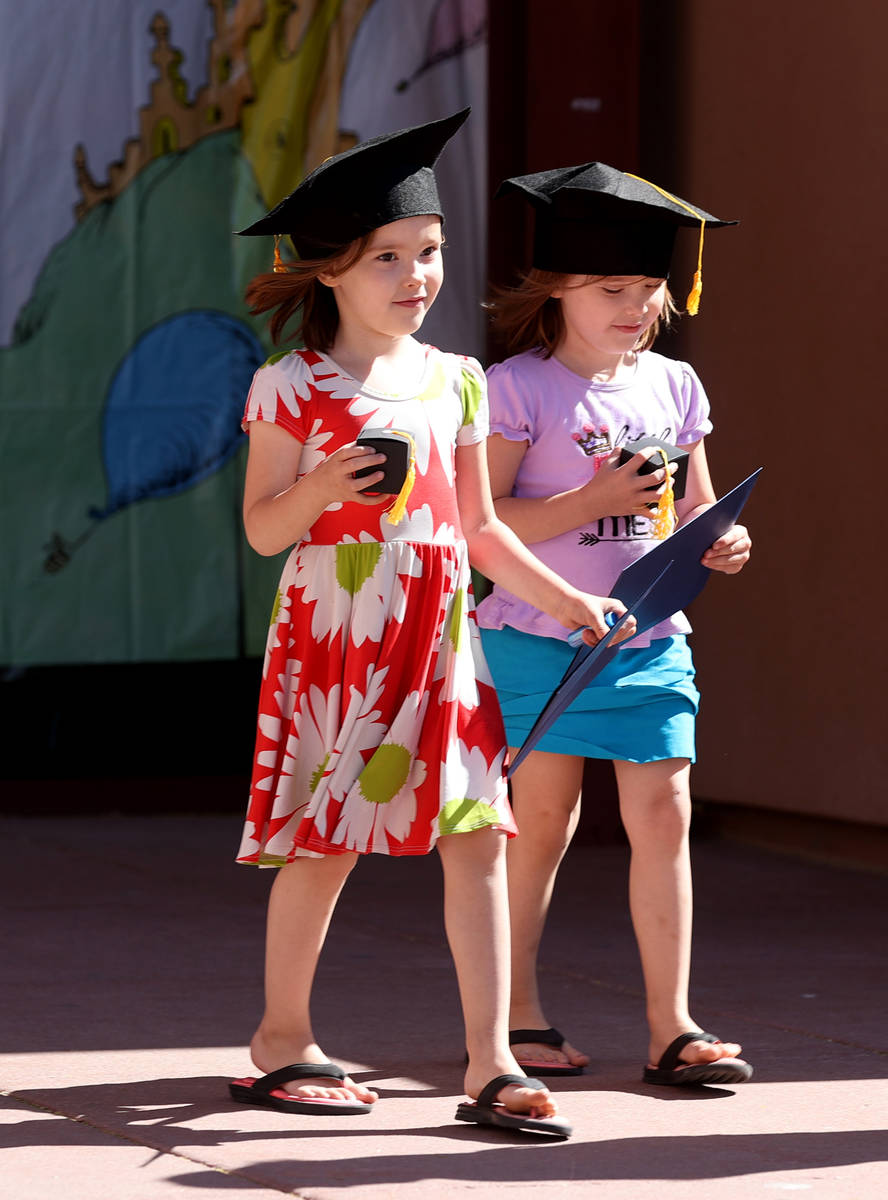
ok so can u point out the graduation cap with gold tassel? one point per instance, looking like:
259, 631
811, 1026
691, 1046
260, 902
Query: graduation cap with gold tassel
592, 219
399, 468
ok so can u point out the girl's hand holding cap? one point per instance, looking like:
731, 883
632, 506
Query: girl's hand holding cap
618, 490
336, 479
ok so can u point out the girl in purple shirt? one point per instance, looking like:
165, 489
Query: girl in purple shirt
583, 384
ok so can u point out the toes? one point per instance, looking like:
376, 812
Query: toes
331, 1090
314, 1091
532, 1101
730, 1049
538, 1052
697, 1053
356, 1091
706, 1052
575, 1057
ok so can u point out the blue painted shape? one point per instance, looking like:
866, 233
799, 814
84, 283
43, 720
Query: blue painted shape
174, 406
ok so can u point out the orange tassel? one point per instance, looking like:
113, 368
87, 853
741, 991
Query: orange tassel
280, 267
664, 519
692, 304
396, 512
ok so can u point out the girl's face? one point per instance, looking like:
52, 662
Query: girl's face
608, 314
394, 283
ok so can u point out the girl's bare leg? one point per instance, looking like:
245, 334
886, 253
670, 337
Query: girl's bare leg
546, 800
300, 906
655, 805
476, 916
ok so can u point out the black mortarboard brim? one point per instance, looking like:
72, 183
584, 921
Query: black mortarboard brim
592, 219
351, 194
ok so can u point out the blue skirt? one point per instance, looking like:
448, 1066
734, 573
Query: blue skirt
640, 708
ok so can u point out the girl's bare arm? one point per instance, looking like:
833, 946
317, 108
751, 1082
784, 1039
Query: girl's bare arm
279, 508
500, 555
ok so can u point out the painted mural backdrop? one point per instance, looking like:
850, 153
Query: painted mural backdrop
136, 137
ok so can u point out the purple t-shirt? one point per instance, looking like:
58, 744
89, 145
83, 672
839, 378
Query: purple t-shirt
568, 422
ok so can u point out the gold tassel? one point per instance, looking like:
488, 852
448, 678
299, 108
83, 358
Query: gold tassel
394, 514
280, 267
692, 305
664, 518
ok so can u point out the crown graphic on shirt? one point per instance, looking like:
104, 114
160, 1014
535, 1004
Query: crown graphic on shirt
593, 441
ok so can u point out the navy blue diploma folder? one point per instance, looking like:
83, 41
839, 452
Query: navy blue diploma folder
654, 587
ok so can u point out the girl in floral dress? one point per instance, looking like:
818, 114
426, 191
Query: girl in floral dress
379, 728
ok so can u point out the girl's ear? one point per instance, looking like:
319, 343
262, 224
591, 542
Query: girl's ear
327, 280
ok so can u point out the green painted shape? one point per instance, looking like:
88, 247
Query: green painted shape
470, 394
273, 358
385, 774
462, 816
318, 773
355, 564
276, 607
271, 860
457, 611
164, 246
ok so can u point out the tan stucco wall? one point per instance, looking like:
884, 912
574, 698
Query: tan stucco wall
783, 117
775, 113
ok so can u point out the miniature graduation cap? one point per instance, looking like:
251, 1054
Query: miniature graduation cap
654, 587
593, 219
399, 468
351, 194
662, 449
664, 454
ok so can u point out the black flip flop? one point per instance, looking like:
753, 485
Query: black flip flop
671, 1072
260, 1091
544, 1037
486, 1111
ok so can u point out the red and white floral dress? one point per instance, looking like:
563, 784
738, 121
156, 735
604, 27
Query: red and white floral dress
379, 728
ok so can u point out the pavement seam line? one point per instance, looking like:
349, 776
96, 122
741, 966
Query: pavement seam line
134, 1141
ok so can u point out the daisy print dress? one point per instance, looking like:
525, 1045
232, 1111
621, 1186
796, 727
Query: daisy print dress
379, 728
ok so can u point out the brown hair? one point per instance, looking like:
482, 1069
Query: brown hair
298, 286
529, 316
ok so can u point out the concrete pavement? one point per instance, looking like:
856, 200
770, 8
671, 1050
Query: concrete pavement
132, 979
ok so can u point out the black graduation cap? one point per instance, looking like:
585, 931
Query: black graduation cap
674, 454
595, 220
351, 194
